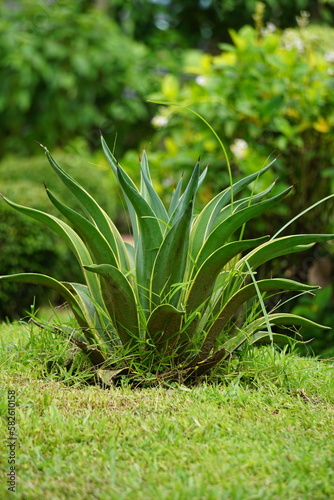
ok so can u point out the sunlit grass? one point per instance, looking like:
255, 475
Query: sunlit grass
264, 431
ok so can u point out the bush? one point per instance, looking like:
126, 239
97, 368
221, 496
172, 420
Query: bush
64, 73
267, 94
26, 246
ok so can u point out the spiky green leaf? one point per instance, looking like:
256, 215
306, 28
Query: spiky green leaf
100, 249
120, 302
114, 167
188, 196
94, 211
207, 217
240, 204
70, 237
284, 319
239, 298
149, 239
282, 246
163, 326
226, 228
47, 281
204, 281
175, 196
170, 263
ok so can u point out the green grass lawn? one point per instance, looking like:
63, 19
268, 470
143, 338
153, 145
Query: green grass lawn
267, 432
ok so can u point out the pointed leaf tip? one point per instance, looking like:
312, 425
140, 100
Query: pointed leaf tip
101, 135
199, 159
44, 147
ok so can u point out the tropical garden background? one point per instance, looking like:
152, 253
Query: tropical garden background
260, 73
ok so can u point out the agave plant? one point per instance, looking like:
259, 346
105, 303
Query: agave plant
169, 301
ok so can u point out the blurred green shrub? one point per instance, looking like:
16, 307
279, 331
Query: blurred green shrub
65, 72
27, 246
269, 93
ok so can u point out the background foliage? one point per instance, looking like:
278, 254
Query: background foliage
70, 68
66, 73
204, 23
264, 95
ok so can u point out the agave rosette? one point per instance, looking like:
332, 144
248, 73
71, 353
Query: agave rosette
174, 293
